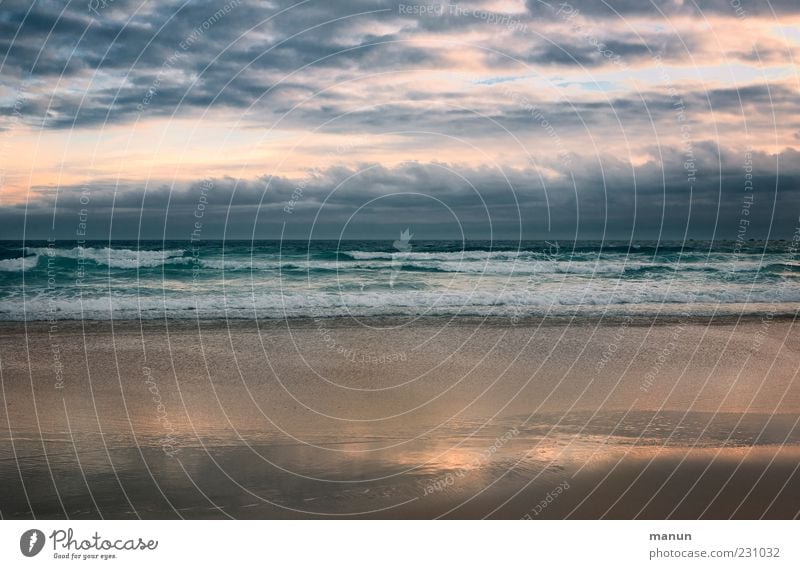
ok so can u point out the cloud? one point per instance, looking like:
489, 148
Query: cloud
448, 101
602, 194
185, 56
661, 9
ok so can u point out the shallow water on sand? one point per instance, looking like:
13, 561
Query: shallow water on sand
481, 419
464, 470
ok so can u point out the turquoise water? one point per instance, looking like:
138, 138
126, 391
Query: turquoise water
42, 280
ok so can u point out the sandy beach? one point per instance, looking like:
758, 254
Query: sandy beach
401, 418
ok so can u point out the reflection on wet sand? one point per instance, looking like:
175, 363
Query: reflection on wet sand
613, 468
494, 433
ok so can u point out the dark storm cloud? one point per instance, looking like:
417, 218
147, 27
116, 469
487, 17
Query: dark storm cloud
158, 59
134, 55
603, 51
50, 38
222, 52
752, 99
603, 195
508, 106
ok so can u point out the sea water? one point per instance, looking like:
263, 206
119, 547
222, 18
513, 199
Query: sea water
41, 280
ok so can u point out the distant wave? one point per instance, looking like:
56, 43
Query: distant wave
19, 264
443, 255
115, 258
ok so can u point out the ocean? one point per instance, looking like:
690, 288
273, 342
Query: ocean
42, 280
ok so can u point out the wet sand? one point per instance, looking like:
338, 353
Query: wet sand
388, 418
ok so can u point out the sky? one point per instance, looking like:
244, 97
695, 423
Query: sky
354, 119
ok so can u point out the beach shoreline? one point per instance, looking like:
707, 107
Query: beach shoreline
184, 323
391, 418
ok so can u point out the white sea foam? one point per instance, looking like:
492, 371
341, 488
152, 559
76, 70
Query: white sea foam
20, 264
443, 255
114, 258
553, 300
